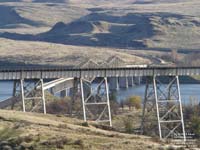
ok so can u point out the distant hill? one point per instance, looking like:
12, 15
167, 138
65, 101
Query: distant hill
96, 2
11, 19
40, 1
102, 30
50, 1
131, 24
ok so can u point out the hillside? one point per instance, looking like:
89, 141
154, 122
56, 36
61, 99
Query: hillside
135, 24
21, 53
37, 131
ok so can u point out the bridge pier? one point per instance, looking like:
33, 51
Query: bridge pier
63, 93
137, 80
165, 102
113, 83
51, 91
67, 92
74, 93
123, 82
95, 100
130, 81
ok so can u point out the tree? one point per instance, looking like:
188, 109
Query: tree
134, 101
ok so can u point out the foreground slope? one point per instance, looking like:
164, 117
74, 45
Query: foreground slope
38, 131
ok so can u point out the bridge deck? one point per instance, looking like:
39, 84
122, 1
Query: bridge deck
47, 73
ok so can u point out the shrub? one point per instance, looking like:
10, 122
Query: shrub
171, 148
192, 116
79, 143
57, 142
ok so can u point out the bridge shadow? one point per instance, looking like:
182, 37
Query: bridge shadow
101, 29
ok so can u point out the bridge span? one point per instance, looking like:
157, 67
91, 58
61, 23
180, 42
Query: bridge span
164, 99
61, 72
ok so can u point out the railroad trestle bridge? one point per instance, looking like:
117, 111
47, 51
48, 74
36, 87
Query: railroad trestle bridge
164, 99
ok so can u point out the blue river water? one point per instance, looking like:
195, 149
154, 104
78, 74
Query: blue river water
188, 91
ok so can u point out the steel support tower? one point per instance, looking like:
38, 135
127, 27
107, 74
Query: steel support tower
164, 100
95, 99
33, 95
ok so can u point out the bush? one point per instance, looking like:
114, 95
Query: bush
195, 125
61, 106
128, 124
134, 101
85, 124
113, 96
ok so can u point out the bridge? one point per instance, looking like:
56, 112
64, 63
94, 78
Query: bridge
164, 99
61, 72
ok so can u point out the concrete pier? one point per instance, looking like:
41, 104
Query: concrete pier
123, 82
130, 81
137, 80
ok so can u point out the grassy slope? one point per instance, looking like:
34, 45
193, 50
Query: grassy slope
40, 131
57, 54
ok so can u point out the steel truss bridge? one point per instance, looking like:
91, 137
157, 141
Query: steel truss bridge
163, 99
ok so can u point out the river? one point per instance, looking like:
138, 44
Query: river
188, 92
